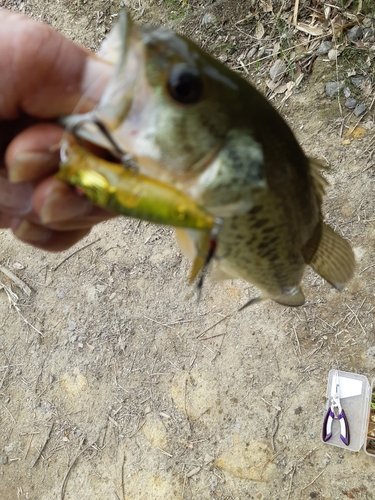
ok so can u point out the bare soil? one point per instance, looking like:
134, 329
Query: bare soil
114, 383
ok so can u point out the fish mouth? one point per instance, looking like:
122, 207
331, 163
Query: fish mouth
124, 50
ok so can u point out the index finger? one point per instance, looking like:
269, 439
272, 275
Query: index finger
42, 73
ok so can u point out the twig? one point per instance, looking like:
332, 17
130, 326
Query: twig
44, 445
276, 426
62, 491
122, 478
299, 347
11, 416
295, 13
212, 326
157, 322
356, 317
16, 280
213, 336
73, 253
313, 481
291, 482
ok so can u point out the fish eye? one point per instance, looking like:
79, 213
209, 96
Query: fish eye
184, 84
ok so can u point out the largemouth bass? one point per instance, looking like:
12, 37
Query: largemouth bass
190, 122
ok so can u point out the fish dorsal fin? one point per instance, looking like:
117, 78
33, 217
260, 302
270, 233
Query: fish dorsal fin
320, 182
330, 256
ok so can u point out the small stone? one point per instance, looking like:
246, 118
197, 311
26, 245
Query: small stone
360, 109
61, 294
4, 459
333, 88
72, 326
367, 33
357, 81
347, 92
45, 407
351, 103
9, 448
324, 48
207, 19
73, 338
277, 70
193, 472
298, 410
355, 34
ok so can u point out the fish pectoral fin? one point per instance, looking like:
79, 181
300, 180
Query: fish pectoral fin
218, 274
290, 297
195, 246
330, 256
253, 301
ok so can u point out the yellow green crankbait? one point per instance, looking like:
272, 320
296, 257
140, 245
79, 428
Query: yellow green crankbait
126, 192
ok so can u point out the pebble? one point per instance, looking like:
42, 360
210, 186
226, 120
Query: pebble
4, 459
355, 34
351, 103
360, 109
9, 448
207, 19
333, 88
324, 48
357, 81
72, 326
61, 294
367, 33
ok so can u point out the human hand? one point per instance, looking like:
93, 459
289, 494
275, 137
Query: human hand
42, 76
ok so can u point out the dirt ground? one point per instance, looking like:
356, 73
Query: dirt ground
114, 383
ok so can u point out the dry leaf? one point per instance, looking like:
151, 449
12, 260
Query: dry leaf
278, 70
259, 30
311, 30
266, 5
366, 88
354, 133
281, 89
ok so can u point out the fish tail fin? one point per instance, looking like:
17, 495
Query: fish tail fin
330, 256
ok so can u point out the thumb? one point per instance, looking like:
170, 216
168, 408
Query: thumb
42, 73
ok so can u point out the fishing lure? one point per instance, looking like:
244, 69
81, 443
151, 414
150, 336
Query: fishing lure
125, 191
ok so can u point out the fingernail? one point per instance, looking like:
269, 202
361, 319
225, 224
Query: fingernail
60, 207
30, 166
31, 233
15, 198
